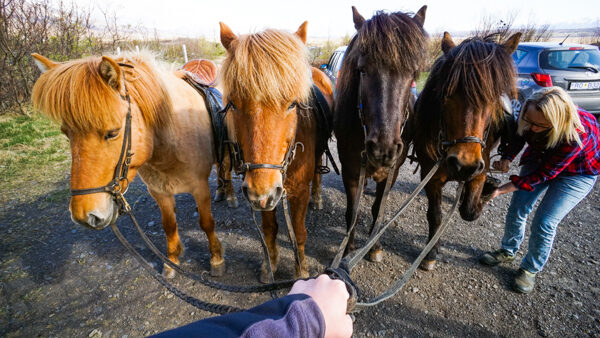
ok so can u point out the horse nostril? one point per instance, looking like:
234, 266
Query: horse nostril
372, 148
94, 220
278, 193
480, 166
453, 163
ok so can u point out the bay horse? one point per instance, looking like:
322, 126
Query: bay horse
382, 60
267, 83
458, 118
170, 135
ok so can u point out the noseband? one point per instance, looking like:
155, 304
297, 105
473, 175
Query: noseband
114, 187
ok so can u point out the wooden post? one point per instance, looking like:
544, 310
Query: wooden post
185, 58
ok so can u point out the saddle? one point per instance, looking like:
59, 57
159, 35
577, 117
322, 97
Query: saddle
324, 117
201, 75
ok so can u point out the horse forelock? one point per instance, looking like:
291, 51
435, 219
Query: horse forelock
75, 94
268, 68
393, 40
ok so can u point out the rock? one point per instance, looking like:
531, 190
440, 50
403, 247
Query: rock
196, 214
151, 223
95, 334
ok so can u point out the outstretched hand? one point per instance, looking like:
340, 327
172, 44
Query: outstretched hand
331, 296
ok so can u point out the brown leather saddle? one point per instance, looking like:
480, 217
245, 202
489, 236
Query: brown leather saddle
201, 71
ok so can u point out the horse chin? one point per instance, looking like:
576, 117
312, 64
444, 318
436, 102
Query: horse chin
381, 173
259, 208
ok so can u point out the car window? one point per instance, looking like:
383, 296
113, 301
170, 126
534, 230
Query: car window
334, 66
338, 62
331, 61
518, 55
572, 59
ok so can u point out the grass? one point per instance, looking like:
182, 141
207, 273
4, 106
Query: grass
421, 81
33, 155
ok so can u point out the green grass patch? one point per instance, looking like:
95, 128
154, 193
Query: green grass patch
421, 81
33, 155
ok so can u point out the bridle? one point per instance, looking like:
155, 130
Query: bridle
241, 167
444, 144
114, 187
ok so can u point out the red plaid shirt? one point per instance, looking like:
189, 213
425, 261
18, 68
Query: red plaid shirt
565, 158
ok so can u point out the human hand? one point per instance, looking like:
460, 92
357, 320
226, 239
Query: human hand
331, 296
501, 165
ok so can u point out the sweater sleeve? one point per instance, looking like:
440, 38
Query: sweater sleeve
291, 316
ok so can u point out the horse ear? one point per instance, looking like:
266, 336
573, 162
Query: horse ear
420, 16
512, 43
227, 36
447, 43
43, 63
111, 73
301, 32
357, 18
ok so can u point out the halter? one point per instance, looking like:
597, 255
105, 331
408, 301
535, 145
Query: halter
444, 145
120, 174
241, 167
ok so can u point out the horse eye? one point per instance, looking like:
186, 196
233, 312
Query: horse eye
292, 106
111, 134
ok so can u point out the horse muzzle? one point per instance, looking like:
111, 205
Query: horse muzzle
462, 171
97, 219
379, 156
263, 202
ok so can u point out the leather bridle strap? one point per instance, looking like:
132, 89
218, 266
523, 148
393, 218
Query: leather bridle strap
466, 139
122, 167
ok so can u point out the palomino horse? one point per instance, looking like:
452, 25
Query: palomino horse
457, 118
171, 138
381, 61
267, 85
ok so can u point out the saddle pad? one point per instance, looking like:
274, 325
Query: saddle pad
201, 71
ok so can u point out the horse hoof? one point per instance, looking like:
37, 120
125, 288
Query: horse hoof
264, 277
168, 272
233, 203
219, 196
376, 256
427, 265
217, 270
317, 205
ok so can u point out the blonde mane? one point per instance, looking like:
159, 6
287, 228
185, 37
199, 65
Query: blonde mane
75, 94
269, 68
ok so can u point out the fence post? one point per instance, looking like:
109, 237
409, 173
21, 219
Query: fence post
118, 51
185, 58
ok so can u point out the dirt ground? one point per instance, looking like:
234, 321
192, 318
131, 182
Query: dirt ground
59, 279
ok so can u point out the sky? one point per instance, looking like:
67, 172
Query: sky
333, 18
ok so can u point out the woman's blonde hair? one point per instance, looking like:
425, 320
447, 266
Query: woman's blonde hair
558, 108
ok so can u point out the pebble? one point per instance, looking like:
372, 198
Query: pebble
195, 214
95, 334
151, 223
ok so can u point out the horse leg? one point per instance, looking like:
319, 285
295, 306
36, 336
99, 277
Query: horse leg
166, 203
471, 205
269, 226
316, 198
376, 252
351, 187
298, 208
207, 223
434, 218
225, 184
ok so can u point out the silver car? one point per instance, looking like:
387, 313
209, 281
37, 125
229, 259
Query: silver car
574, 67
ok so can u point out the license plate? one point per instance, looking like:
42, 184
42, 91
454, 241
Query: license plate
585, 85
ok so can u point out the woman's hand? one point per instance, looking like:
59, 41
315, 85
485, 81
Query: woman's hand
331, 296
503, 189
501, 165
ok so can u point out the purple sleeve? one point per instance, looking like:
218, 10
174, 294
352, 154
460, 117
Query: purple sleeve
290, 316
302, 319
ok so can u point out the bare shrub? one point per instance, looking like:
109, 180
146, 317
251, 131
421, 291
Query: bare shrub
503, 28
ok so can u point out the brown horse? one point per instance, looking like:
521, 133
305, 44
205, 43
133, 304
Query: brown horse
172, 141
267, 83
381, 61
458, 117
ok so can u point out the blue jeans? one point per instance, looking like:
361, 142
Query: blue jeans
563, 193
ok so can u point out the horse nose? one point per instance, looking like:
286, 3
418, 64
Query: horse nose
96, 220
263, 202
380, 155
464, 171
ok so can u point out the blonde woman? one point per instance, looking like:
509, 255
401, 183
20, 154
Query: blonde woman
563, 160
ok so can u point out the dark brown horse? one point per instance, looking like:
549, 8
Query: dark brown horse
458, 117
381, 61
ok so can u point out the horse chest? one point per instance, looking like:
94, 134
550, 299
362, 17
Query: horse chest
169, 181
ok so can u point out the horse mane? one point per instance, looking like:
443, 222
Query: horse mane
75, 93
479, 70
270, 68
